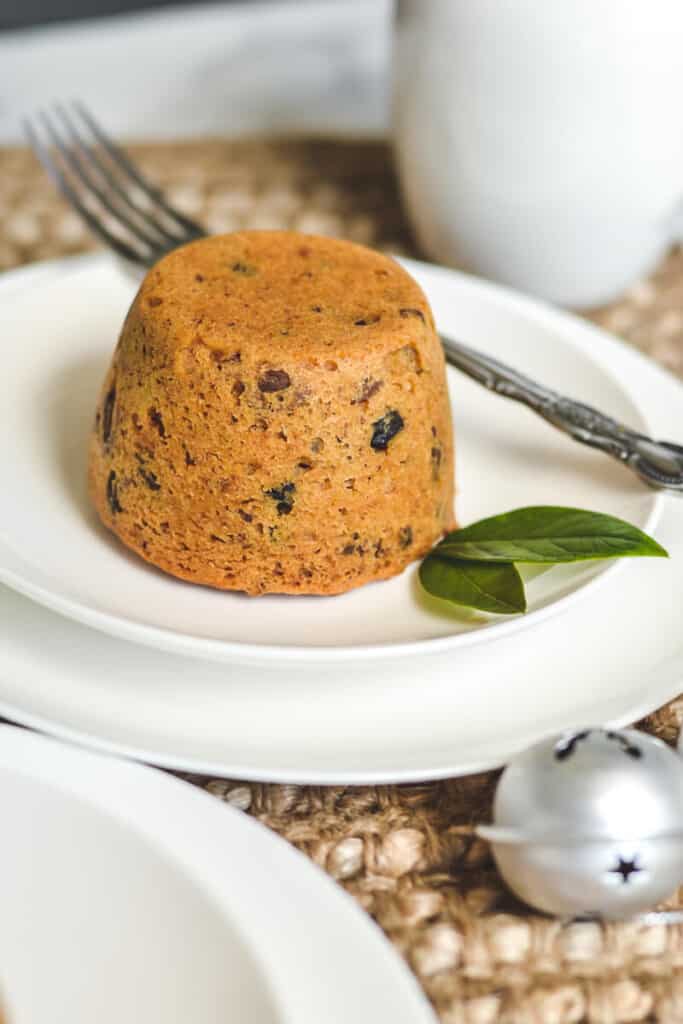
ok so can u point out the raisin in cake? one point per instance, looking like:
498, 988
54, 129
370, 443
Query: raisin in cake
275, 418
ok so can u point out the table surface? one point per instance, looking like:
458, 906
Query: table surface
408, 854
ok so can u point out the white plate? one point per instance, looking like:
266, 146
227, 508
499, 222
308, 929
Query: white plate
57, 340
610, 658
128, 895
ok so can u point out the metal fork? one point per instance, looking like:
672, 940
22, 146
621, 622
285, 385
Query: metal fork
130, 215
119, 205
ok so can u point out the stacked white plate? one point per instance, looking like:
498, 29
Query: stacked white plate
379, 684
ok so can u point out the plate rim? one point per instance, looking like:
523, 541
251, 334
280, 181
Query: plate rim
232, 651
656, 697
144, 798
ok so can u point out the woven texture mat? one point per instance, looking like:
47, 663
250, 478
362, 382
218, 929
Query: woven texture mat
406, 853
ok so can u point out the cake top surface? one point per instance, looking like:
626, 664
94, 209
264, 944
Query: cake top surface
299, 293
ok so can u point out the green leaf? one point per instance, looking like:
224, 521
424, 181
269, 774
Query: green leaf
546, 533
491, 587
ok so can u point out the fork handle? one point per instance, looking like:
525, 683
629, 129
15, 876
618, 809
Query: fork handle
658, 463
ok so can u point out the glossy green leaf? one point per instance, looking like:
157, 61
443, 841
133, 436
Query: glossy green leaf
491, 587
546, 533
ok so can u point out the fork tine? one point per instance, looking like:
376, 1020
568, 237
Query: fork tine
72, 196
128, 167
89, 155
83, 176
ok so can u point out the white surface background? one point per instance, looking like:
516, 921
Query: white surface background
271, 68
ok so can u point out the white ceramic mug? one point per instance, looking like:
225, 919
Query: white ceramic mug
540, 142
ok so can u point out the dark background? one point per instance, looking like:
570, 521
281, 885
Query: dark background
23, 13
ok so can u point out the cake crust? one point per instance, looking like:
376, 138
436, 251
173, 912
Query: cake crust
275, 417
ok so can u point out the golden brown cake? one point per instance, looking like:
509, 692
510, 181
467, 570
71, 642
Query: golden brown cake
275, 418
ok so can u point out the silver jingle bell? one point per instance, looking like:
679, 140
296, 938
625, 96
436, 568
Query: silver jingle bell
591, 823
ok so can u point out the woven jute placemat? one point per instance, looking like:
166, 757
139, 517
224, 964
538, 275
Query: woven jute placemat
406, 853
